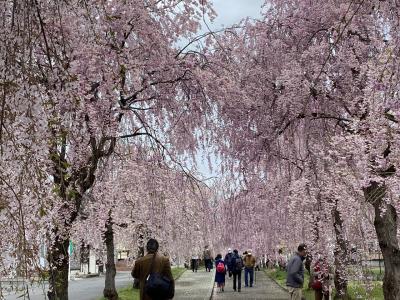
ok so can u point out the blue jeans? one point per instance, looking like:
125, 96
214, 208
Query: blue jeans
248, 271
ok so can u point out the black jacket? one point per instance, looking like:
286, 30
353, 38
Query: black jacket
232, 266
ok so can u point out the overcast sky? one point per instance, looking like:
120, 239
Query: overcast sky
232, 11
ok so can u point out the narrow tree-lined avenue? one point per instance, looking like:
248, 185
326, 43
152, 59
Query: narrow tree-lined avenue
198, 286
122, 121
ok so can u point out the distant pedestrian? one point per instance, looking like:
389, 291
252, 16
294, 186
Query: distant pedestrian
220, 272
295, 273
195, 263
249, 264
258, 265
207, 259
227, 260
156, 265
281, 260
268, 262
236, 266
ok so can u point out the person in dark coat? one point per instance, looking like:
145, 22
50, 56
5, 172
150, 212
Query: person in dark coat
142, 267
207, 258
236, 266
220, 272
227, 261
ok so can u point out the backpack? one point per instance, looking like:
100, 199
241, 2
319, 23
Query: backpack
158, 286
220, 267
228, 259
238, 266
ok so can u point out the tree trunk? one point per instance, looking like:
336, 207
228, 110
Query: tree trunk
341, 256
110, 291
385, 223
58, 257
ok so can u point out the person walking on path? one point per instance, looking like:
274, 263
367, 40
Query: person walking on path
236, 266
281, 260
220, 272
249, 264
227, 261
207, 258
152, 263
195, 263
295, 273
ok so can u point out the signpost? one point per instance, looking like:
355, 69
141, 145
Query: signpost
70, 250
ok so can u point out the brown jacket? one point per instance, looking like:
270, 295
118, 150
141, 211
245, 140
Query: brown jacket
142, 270
249, 261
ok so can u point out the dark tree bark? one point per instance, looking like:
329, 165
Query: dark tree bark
84, 179
110, 291
58, 255
341, 256
58, 258
385, 223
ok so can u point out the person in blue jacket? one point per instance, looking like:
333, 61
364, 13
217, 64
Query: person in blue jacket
295, 273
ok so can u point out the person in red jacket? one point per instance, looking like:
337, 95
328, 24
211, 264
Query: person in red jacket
220, 272
320, 279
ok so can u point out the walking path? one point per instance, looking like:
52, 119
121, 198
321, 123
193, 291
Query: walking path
190, 286
263, 288
200, 286
194, 285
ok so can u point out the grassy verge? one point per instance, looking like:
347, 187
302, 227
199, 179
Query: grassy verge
129, 293
356, 289
177, 272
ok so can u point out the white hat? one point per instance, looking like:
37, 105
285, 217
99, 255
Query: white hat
229, 250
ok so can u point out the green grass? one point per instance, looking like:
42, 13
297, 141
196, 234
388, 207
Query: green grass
177, 272
376, 273
129, 293
356, 289
280, 277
